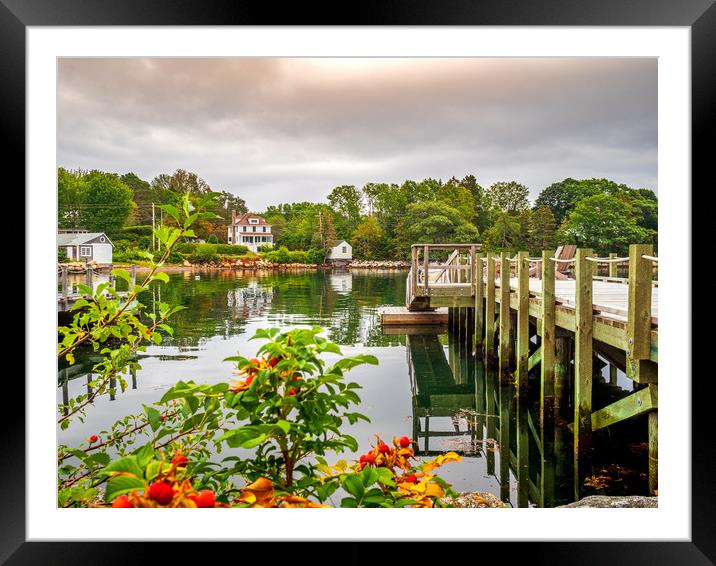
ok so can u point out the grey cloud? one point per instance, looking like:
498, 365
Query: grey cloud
274, 130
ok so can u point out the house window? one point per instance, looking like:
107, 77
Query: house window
254, 228
85, 251
345, 249
264, 228
253, 220
229, 239
244, 228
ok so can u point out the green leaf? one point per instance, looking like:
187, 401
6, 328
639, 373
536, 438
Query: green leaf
161, 276
123, 484
122, 274
154, 418
126, 464
144, 455
353, 485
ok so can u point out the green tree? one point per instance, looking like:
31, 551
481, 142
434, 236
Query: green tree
433, 222
71, 194
507, 196
605, 223
108, 202
143, 196
325, 236
347, 203
459, 197
505, 232
542, 228
366, 239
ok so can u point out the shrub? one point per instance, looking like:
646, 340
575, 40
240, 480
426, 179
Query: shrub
263, 248
316, 255
213, 239
231, 249
204, 253
281, 255
298, 256
62, 256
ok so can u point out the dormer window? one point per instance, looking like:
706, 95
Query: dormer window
253, 220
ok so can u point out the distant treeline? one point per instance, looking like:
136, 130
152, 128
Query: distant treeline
381, 220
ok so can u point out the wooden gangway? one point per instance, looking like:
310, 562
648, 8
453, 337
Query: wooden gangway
513, 303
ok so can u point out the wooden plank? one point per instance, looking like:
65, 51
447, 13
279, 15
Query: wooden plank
582, 366
547, 383
523, 321
638, 403
534, 359
403, 316
490, 307
426, 268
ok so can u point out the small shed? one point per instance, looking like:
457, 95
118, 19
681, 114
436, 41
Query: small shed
340, 253
88, 246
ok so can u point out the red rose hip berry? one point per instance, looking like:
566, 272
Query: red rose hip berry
122, 501
161, 492
367, 458
383, 448
205, 498
404, 442
412, 478
272, 362
180, 460
94, 438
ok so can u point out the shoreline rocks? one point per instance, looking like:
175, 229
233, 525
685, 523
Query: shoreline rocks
616, 501
398, 264
475, 500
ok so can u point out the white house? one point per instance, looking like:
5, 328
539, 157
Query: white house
340, 253
81, 244
250, 230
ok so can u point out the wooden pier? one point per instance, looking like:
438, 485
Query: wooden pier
68, 295
522, 319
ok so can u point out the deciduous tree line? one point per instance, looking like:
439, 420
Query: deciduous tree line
382, 220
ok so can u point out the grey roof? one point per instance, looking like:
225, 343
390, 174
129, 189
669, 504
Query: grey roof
75, 239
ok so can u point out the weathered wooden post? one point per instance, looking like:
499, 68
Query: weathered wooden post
426, 268
638, 366
479, 318
547, 381
65, 291
414, 271
613, 271
523, 321
504, 346
490, 308
133, 274
89, 277
583, 313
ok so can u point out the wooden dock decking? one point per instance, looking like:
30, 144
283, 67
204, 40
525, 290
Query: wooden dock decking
506, 305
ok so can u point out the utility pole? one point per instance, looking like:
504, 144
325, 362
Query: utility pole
154, 243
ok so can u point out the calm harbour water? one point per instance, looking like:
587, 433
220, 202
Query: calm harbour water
418, 375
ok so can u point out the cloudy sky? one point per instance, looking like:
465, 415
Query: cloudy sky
284, 130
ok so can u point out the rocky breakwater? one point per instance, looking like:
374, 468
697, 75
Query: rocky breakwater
253, 264
366, 264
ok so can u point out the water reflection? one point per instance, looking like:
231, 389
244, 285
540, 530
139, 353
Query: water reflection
486, 420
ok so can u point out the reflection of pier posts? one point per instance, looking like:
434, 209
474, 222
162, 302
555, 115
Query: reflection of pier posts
505, 397
490, 312
504, 346
480, 402
523, 440
65, 391
491, 412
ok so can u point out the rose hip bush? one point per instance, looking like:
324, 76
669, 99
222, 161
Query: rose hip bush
282, 417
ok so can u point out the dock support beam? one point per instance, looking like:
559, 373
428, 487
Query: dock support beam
582, 366
479, 319
653, 451
547, 381
639, 367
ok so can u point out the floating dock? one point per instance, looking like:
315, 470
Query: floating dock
401, 316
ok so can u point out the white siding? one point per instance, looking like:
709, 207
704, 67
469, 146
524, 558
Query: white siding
102, 253
342, 251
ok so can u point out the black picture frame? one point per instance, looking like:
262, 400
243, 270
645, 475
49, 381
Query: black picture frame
699, 15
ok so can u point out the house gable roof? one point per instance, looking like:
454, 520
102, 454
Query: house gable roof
342, 242
243, 220
79, 238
